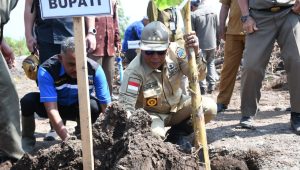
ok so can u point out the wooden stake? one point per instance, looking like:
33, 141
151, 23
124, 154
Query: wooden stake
83, 94
197, 110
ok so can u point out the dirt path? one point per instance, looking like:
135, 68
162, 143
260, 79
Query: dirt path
272, 145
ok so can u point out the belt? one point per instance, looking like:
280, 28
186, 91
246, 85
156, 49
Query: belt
273, 9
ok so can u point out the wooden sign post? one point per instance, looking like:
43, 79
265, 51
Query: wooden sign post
77, 9
83, 94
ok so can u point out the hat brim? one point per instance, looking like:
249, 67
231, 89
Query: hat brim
154, 47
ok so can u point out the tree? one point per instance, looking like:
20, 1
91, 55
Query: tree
123, 20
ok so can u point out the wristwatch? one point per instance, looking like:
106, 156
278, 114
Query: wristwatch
244, 18
92, 31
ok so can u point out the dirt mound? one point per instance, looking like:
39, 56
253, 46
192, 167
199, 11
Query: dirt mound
227, 163
119, 143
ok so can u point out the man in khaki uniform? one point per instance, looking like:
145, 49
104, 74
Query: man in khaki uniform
152, 81
10, 131
265, 22
234, 38
172, 18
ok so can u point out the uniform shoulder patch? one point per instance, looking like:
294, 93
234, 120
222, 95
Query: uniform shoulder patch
180, 52
150, 102
133, 85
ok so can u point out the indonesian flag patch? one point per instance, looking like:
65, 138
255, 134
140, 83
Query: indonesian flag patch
133, 86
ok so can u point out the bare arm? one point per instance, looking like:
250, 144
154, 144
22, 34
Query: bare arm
90, 38
223, 16
55, 119
29, 18
244, 6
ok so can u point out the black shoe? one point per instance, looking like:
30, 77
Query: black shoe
221, 107
77, 132
247, 122
211, 88
202, 90
295, 122
184, 144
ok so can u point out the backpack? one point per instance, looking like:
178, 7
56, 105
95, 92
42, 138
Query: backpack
5, 7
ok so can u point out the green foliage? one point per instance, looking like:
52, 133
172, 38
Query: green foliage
123, 20
19, 46
164, 4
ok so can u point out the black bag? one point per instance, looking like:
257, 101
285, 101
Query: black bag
5, 7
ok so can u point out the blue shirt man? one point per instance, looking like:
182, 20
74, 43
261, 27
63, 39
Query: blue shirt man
58, 97
133, 32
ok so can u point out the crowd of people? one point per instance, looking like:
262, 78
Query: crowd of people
157, 74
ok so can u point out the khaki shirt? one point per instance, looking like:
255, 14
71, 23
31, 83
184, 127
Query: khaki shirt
235, 26
152, 89
154, 14
263, 4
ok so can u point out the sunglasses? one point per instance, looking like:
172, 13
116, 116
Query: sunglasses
157, 52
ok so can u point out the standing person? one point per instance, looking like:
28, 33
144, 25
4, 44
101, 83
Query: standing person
48, 34
10, 138
234, 38
58, 97
107, 38
152, 82
132, 33
205, 23
45, 35
266, 21
172, 19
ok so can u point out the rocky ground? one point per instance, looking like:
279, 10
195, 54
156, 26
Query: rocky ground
127, 144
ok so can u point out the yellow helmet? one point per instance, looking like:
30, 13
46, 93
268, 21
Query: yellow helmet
30, 66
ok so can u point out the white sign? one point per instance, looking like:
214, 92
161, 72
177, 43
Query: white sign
67, 8
134, 44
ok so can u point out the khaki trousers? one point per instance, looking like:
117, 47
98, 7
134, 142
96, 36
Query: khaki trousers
234, 47
284, 27
10, 132
160, 122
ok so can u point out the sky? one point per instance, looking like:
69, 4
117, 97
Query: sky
134, 9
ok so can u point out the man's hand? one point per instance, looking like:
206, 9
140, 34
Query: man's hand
31, 43
70, 138
191, 41
296, 7
8, 54
10, 60
119, 48
250, 25
222, 35
63, 133
90, 42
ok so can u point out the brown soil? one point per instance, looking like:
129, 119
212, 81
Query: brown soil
120, 143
